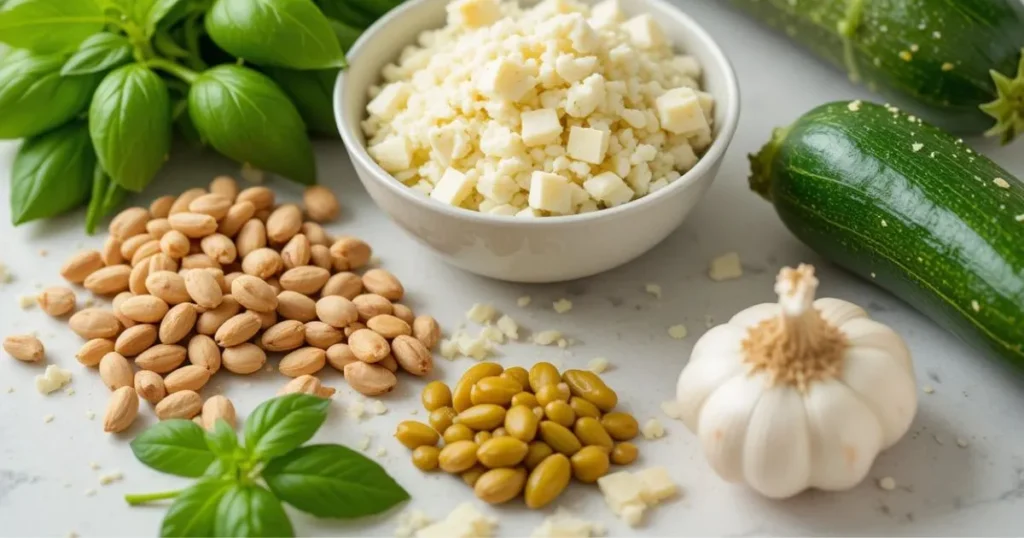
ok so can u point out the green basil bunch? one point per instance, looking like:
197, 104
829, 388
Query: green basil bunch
99, 88
241, 485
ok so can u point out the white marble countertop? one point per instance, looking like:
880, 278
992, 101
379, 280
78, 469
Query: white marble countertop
47, 486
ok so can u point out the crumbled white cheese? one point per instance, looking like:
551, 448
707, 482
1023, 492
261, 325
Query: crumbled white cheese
887, 483
48, 418
630, 494
52, 379
481, 313
598, 365
652, 429
449, 349
364, 443
961, 442
411, 521
478, 348
90, 492
508, 327
5, 275
672, 409
562, 343
69, 391
377, 407
513, 111
654, 290
678, 332
90, 414
547, 338
355, 410
381, 452
110, 478
1001, 183
928, 389
94, 465
493, 334
463, 522
726, 267
562, 306
10, 390
26, 302
564, 525
524, 301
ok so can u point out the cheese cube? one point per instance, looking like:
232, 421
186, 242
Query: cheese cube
644, 31
505, 79
453, 188
550, 192
393, 154
473, 13
587, 145
607, 13
575, 69
463, 522
497, 188
633, 513
504, 210
707, 105
621, 489
389, 101
608, 188
529, 213
540, 127
680, 112
657, 485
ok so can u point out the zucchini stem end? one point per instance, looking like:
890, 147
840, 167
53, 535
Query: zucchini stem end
761, 163
1008, 108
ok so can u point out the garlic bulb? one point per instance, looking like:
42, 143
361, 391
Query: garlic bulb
799, 394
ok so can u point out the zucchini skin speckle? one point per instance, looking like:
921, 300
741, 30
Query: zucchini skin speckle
908, 207
933, 56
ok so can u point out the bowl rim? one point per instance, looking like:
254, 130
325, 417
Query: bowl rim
359, 153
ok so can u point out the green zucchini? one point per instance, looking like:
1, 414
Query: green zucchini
947, 61
908, 207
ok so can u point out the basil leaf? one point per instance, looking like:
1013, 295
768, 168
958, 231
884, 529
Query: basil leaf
149, 13
344, 11
49, 25
194, 511
175, 447
34, 98
312, 93
332, 481
282, 424
223, 441
100, 52
100, 184
245, 116
130, 125
250, 510
282, 33
52, 173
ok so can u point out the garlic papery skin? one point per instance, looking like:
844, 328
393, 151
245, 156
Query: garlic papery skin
800, 394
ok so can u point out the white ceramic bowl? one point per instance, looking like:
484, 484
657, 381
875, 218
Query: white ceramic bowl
547, 249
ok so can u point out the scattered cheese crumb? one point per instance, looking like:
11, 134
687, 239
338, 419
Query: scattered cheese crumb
269, 368
726, 267
652, 429
52, 379
48, 419
26, 302
93, 465
110, 478
508, 327
364, 443
547, 338
563, 343
1001, 183
449, 349
654, 290
355, 410
5, 275
90, 492
524, 301
90, 415
252, 174
562, 306
463, 522
598, 365
672, 409
928, 389
854, 106
564, 525
493, 334
481, 313
377, 407
677, 331
887, 483
961, 442
69, 391
411, 521
630, 494
381, 452
975, 306
477, 348
10, 390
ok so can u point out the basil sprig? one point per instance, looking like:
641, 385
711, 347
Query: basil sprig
241, 485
